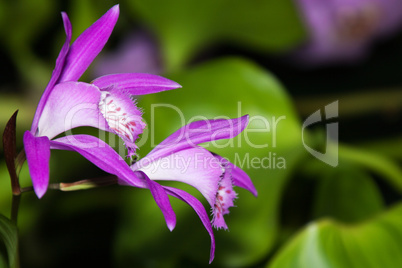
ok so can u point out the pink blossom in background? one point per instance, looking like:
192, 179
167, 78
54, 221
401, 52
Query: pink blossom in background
344, 30
136, 53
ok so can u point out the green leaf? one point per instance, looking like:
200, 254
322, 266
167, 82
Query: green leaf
9, 236
385, 147
378, 163
185, 27
228, 87
347, 194
326, 243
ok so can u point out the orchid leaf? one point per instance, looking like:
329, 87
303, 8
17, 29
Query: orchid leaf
327, 243
9, 236
229, 87
348, 194
184, 27
382, 165
226, 88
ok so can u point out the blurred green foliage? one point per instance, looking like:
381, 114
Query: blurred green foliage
307, 214
186, 27
8, 236
326, 243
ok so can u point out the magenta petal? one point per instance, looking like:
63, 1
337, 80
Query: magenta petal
70, 105
135, 83
199, 132
56, 72
239, 177
199, 209
195, 166
37, 151
88, 45
162, 200
101, 155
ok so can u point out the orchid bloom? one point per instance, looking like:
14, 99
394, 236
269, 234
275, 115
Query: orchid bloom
105, 103
343, 30
177, 158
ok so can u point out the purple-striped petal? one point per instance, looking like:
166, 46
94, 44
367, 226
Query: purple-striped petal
135, 83
70, 105
239, 177
162, 200
199, 209
56, 72
37, 151
101, 155
199, 132
88, 45
195, 166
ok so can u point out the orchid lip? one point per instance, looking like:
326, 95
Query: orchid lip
122, 116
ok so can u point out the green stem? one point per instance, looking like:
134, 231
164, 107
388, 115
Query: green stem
85, 184
16, 188
19, 162
15, 204
79, 185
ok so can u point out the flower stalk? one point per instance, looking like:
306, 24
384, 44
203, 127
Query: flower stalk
84, 184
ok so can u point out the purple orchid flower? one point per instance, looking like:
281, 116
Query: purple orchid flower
177, 158
105, 103
343, 30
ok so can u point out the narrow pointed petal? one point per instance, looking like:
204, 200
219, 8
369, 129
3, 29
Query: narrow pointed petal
199, 209
56, 72
199, 132
37, 151
196, 167
70, 105
88, 45
135, 83
101, 155
162, 200
239, 177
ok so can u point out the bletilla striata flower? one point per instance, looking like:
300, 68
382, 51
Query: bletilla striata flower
180, 158
184, 161
105, 103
